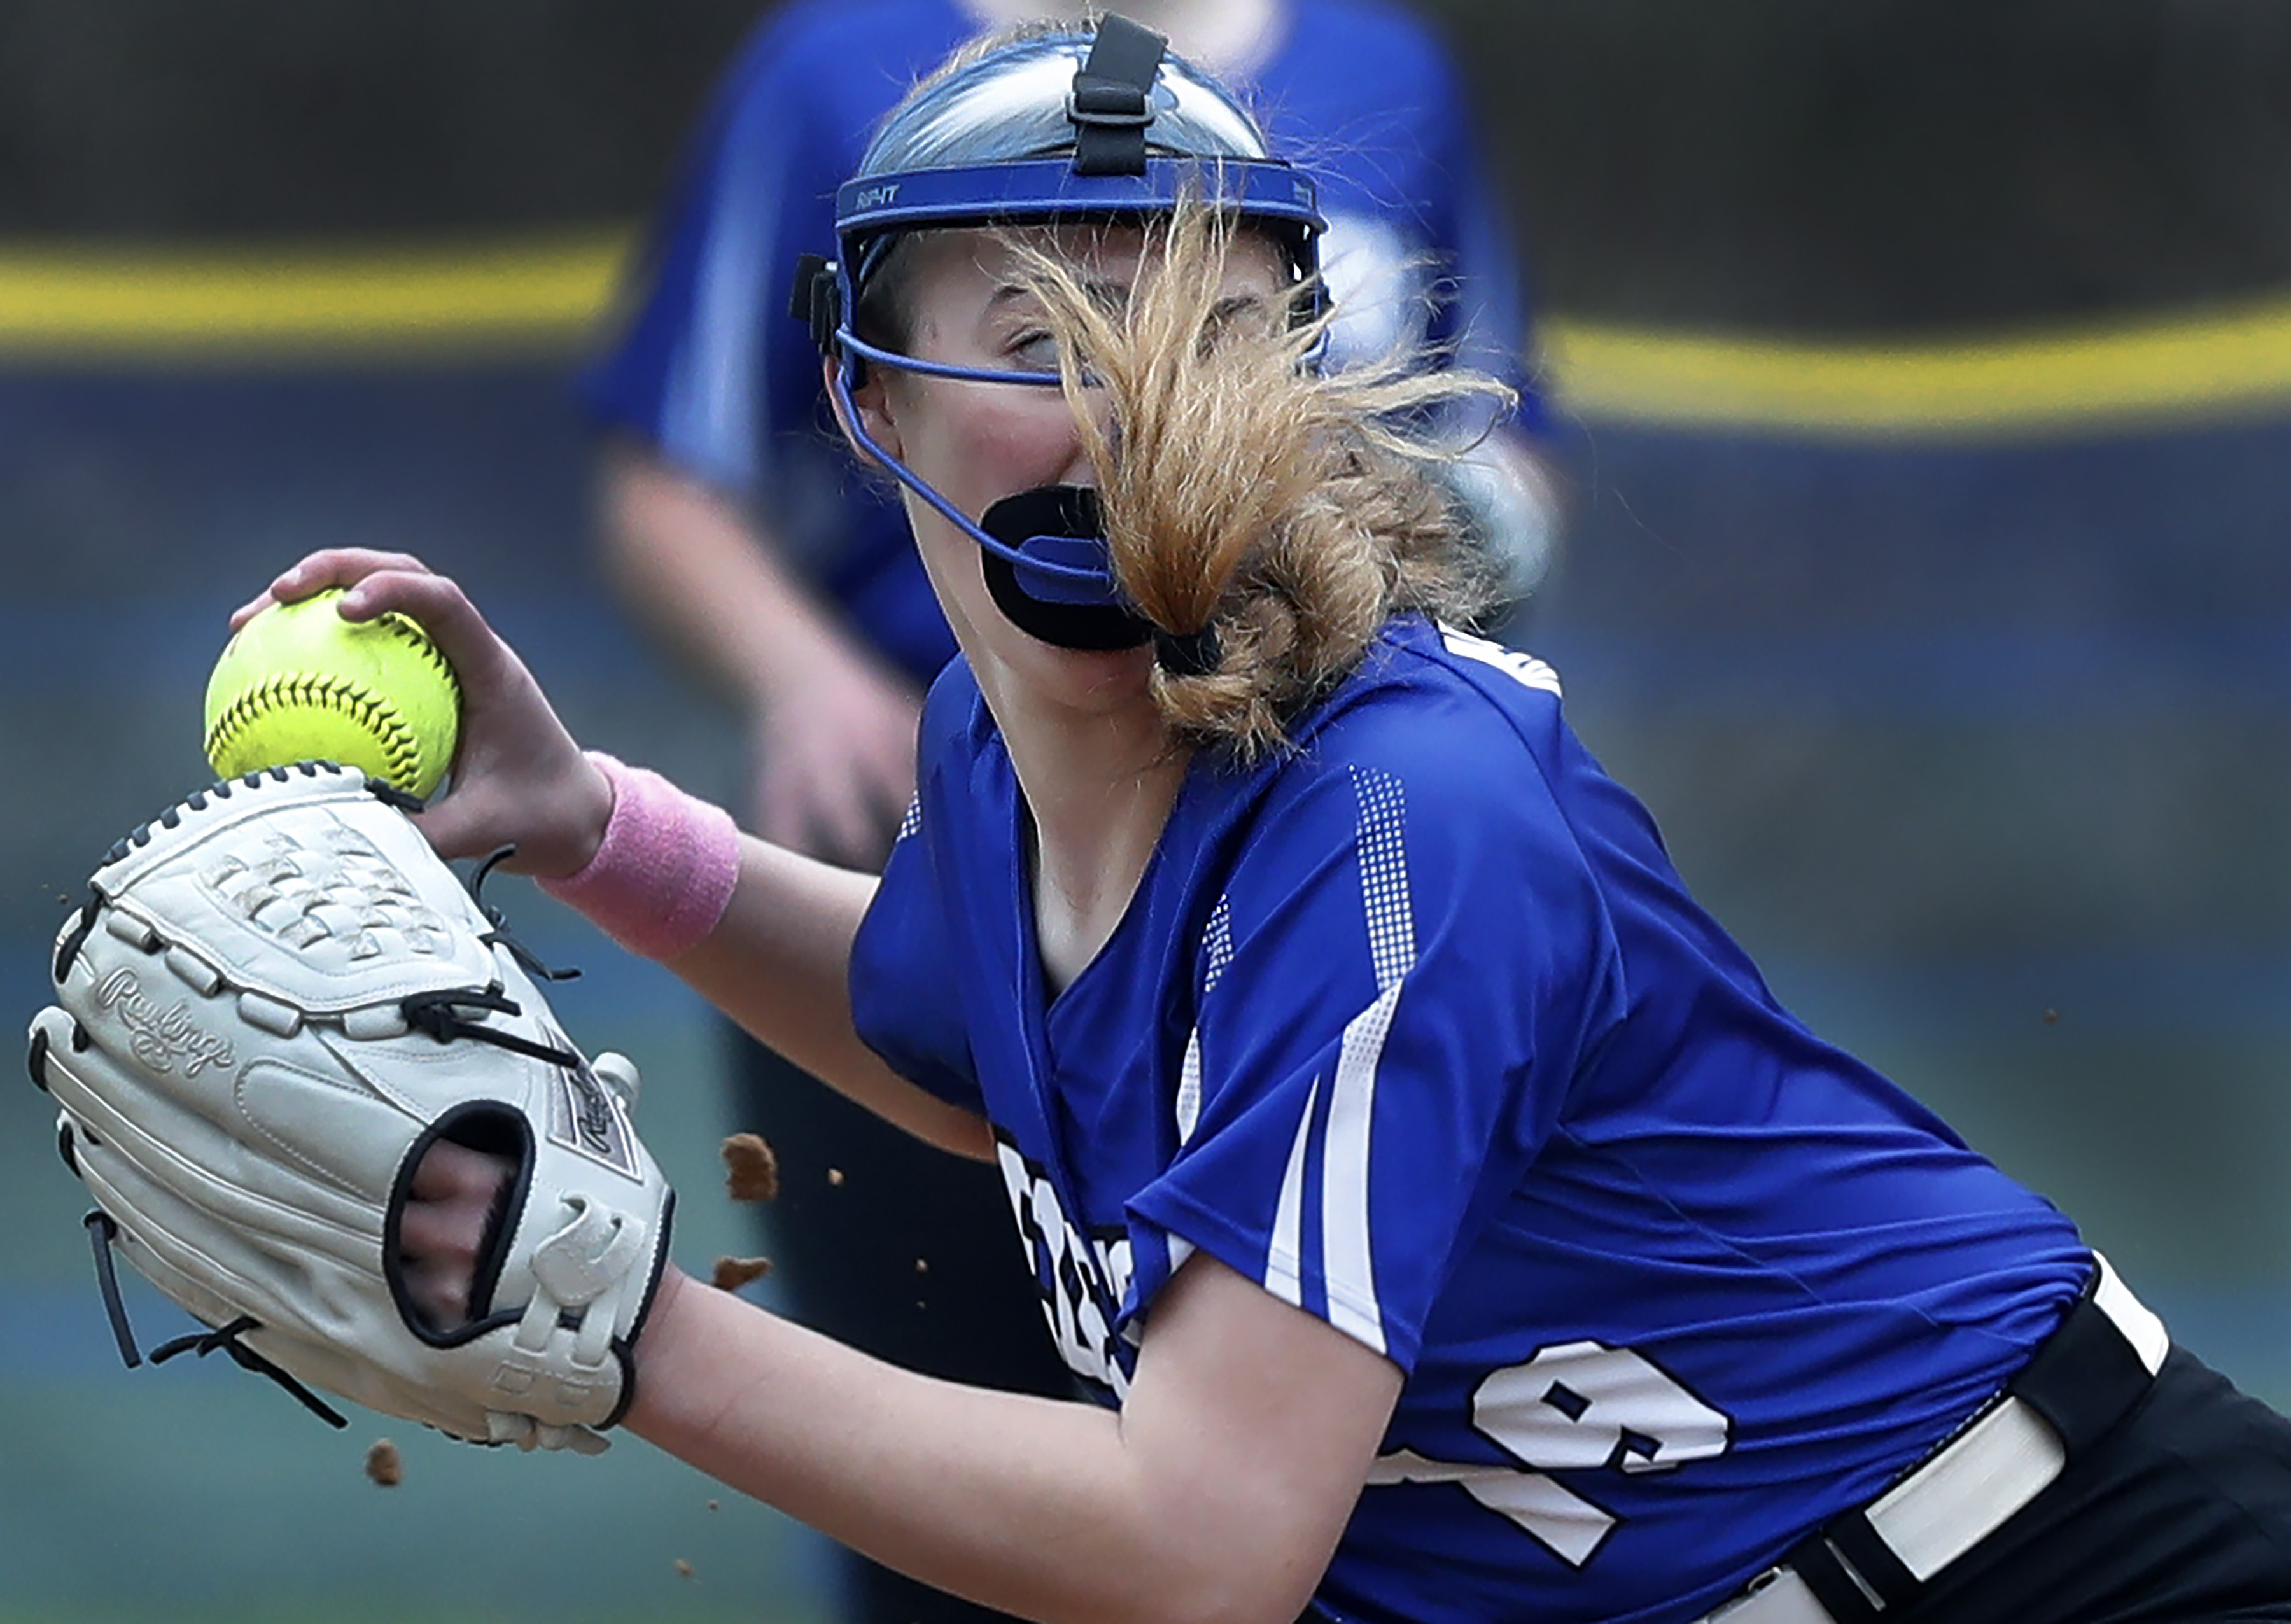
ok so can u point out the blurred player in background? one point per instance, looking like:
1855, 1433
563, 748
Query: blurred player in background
737, 526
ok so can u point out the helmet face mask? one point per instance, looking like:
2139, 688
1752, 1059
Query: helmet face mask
1063, 128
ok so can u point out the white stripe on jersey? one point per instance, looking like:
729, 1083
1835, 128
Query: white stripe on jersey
1524, 669
1189, 1089
1346, 1264
1347, 1260
1281, 1255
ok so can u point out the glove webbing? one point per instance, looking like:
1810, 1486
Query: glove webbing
196, 801
433, 1013
69, 948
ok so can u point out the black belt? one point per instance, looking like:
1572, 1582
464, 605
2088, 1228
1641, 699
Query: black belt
2081, 1380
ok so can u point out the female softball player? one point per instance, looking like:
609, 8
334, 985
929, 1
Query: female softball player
1452, 1224
737, 530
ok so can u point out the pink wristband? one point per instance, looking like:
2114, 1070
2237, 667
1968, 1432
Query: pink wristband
660, 882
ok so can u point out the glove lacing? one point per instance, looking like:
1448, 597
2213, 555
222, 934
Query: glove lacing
101, 1229
499, 936
437, 1013
226, 1340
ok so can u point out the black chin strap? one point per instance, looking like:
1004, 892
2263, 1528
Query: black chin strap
1029, 523
1110, 105
1098, 626
1025, 523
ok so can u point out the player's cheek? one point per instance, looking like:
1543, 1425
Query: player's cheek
1029, 439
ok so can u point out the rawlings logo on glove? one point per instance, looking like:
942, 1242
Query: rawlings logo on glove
160, 1039
274, 1001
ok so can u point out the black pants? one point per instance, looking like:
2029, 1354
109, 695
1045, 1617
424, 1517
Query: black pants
902, 1251
2180, 1515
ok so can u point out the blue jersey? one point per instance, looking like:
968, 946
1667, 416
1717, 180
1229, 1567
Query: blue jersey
710, 371
1418, 1027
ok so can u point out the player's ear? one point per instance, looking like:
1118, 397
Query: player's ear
871, 401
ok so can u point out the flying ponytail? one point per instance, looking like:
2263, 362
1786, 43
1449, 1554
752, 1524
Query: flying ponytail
1267, 518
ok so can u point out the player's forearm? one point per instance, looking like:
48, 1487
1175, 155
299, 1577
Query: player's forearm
707, 579
1031, 1506
778, 963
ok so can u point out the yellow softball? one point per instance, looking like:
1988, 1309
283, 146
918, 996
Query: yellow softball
300, 683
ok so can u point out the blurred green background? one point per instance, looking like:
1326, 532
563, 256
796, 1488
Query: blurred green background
1977, 735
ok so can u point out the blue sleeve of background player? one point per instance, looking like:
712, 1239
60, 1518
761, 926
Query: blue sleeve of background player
1407, 967
707, 363
1484, 309
1489, 327
1370, 96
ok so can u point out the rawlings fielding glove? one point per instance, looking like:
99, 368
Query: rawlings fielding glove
275, 999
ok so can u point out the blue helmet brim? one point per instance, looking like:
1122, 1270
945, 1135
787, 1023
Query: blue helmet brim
1261, 191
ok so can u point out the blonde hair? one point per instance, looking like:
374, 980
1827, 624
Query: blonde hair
1276, 515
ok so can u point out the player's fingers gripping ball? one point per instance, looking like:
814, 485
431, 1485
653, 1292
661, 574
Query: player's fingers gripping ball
300, 683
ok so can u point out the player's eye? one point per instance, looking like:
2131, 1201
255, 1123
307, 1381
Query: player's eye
1244, 315
1032, 350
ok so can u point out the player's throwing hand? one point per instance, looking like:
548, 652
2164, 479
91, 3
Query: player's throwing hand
518, 779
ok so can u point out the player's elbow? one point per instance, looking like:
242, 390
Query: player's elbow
1237, 1599
637, 497
1243, 1576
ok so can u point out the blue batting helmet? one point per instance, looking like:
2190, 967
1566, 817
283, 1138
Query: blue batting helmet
1066, 125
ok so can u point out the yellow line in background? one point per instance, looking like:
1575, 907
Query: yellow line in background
303, 305
541, 295
2136, 372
